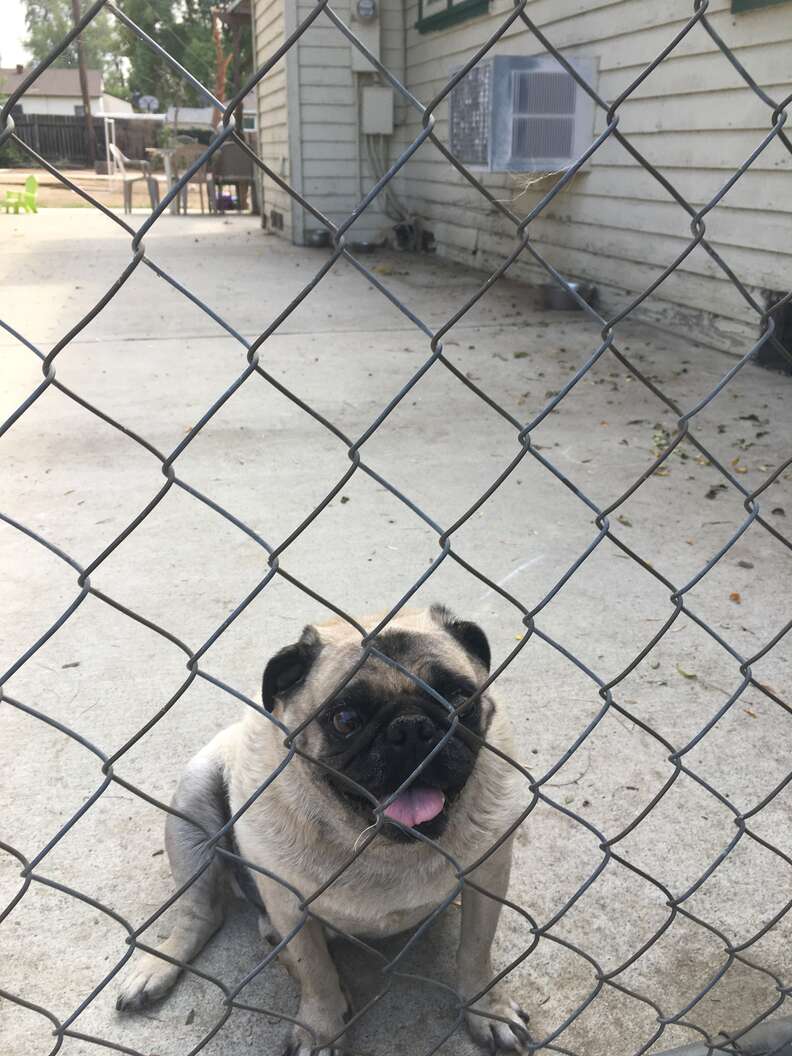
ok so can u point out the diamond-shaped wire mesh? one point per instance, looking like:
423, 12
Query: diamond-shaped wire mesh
740, 668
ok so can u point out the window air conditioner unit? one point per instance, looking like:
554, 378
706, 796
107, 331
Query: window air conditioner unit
518, 114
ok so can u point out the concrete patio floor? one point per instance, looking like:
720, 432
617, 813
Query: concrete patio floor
155, 362
105, 189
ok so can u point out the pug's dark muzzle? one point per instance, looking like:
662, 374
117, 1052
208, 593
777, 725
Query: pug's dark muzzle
392, 755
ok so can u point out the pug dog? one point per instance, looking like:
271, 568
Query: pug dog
365, 744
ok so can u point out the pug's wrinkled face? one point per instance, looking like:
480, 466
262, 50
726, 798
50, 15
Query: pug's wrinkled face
381, 726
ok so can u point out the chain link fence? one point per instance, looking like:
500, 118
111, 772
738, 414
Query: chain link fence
747, 1037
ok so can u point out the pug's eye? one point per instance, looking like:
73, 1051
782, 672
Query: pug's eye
346, 721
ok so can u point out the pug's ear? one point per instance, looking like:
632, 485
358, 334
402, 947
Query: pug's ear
469, 635
289, 667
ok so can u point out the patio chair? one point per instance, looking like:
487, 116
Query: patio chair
232, 165
184, 156
25, 199
130, 178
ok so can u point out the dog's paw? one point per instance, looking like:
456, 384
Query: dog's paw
148, 979
303, 1044
326, 1019
303, 1048
505, 1034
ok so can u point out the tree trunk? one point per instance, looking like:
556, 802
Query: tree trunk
237, 75
222, 62
90, 134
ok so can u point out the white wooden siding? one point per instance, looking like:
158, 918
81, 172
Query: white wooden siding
335, 168
308, 115
269, 30
615, 225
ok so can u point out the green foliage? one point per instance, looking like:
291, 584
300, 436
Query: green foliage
48, 22
129, 65
184, 29
12, 156
164, 136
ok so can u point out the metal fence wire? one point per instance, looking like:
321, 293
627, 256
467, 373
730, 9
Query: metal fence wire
750, 1036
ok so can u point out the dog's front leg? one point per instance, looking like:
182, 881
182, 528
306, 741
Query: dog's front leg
200, 909
480, 915
323, 1007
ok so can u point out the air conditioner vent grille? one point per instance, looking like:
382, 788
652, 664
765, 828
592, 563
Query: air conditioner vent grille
469, 117
543, 137
543, 93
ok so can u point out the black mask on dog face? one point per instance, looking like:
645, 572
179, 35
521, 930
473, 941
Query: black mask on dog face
378, 740
381, 726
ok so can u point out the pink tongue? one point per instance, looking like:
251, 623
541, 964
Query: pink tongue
415, 805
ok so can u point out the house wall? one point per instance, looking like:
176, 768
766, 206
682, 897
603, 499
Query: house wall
319, 149
336, 171
614, 224
274, 148
64, 105
111, 104
54, 104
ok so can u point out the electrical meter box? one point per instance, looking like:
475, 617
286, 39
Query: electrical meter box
377, 110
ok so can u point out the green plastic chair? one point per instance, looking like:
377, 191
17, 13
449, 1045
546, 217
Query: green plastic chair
25, 200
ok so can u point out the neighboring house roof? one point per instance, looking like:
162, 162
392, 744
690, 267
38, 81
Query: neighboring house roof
51, 82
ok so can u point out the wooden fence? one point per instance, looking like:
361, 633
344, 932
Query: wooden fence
63, 139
